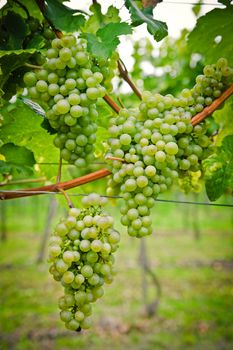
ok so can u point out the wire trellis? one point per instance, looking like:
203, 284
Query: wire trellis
192, 3
119, 197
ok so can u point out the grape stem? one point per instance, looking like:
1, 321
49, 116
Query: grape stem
59, 170
125, 75
33, 66
115, 158
70, 204
211, 108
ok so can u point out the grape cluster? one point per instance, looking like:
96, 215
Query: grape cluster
81, 252
158, 144
68, 88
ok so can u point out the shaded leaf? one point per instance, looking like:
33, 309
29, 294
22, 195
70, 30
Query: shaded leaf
11, 60
63, 17
16, 30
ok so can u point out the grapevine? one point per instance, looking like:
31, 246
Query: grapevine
68, 67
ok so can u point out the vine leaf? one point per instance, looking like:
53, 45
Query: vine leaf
218, 170
16, 30
139, 16
98, 20
223, 117
18, 160
227, 146
106, 40
10, 61
211, 36
21, 125
63, 17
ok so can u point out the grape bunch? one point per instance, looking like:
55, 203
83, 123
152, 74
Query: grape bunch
81, 252
68, 88
158, 145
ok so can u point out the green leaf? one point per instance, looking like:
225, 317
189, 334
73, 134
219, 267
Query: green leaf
211, 36
227, 146
98, 20
224, 119
218, 170
17, 155
63, 17
139, 16
216, 185
106, 41
113, 30
96, 47
22, 127
17, 159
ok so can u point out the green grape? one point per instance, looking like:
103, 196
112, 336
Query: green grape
83, 265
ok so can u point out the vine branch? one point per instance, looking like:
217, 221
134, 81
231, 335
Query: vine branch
211, 108
125, 75
57, 187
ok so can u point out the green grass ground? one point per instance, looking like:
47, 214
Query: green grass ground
195, 308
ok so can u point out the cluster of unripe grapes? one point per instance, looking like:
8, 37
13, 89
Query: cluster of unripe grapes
81, 252
68, 87
158, 145
109, 69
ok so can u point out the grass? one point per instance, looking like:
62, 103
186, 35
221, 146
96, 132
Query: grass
195, 276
